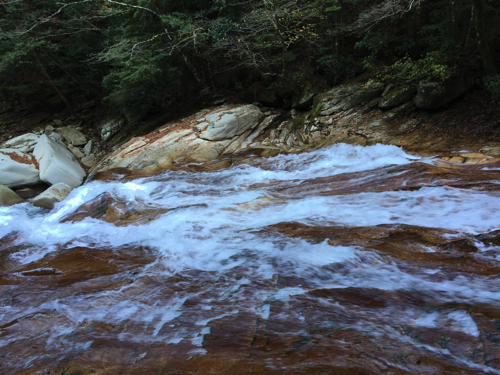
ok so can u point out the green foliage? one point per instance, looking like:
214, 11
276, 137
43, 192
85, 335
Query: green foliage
493, 86
145, 56
433, 67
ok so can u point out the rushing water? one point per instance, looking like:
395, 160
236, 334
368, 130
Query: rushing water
344, 260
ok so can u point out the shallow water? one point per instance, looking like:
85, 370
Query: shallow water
344, 260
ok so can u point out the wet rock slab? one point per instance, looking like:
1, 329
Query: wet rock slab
259, 266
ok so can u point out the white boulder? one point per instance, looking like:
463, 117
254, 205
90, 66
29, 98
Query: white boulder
56, 193
17, 168
25, 142
57, 164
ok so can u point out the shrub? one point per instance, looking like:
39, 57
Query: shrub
493, 86
408, 72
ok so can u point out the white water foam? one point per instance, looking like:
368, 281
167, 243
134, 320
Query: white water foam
224, 236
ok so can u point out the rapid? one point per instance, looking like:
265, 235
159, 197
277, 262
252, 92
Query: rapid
343, 260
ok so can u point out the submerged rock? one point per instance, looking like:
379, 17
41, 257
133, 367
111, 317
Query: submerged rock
110, 209
56, 193
17, 168
57, 164
8, 197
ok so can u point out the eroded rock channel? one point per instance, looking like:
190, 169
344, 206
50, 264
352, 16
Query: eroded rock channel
343, 260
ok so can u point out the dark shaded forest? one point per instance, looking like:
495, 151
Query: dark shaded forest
145, 57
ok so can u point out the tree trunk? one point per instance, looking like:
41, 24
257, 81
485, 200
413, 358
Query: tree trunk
454, 20
484, 48
471, 25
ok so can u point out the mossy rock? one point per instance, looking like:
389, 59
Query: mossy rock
396, 98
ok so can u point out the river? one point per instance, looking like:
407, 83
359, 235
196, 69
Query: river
344, 260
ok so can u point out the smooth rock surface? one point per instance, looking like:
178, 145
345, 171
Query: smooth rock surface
17, 168
72, 136
57, 164
184, 139
8, 197
225, 124
24, 143
56, 193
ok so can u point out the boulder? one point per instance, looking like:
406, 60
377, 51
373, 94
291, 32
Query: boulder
76, 151
57, 164
305, 98
396, 98
88, 148
434, 95
17, 168
225, 124
56, 193
8, 197
24, 143
49, 129
28, 193
89, 161
72, 136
